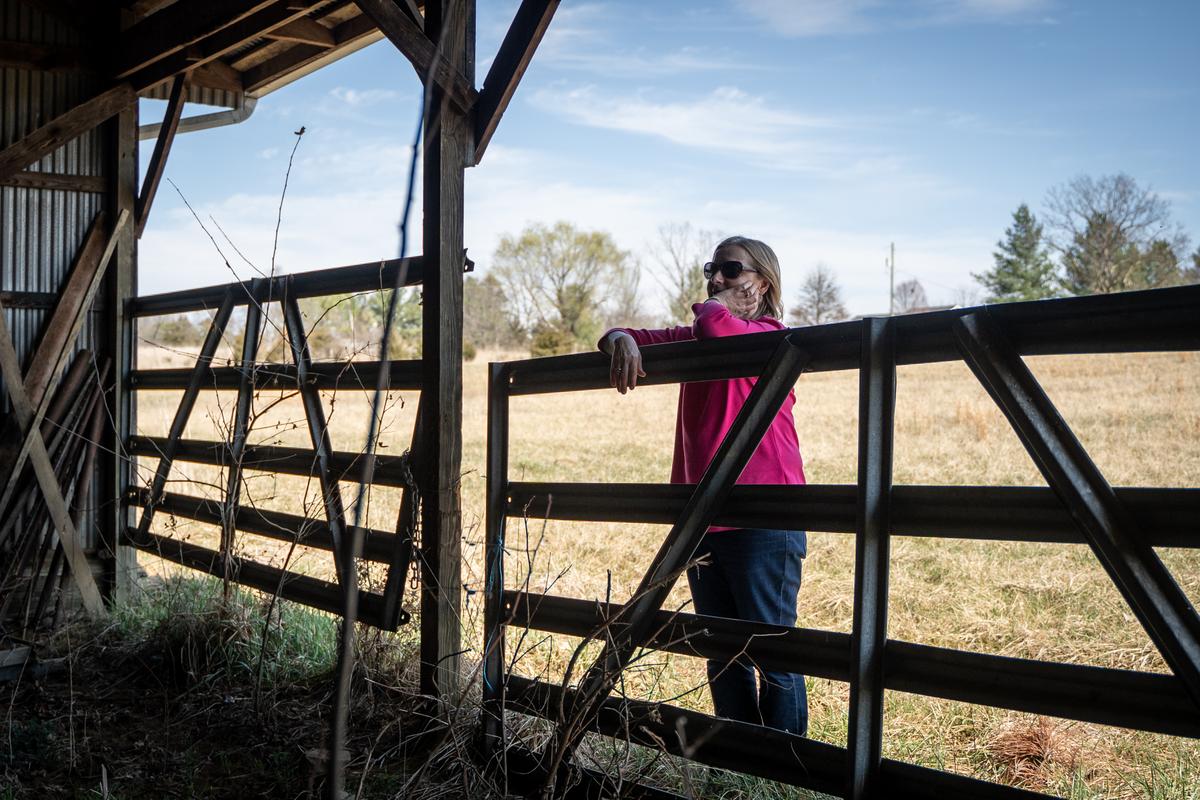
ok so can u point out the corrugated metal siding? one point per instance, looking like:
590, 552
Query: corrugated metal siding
40, 230
197, 94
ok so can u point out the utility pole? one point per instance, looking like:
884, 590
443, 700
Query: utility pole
892, 282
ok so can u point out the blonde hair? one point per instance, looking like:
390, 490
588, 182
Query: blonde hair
767, 264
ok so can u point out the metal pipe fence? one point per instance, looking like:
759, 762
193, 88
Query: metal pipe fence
1121, 525
392, 549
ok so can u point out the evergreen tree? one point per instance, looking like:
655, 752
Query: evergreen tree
1023, 269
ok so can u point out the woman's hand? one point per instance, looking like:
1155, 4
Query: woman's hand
626, 365
742, 300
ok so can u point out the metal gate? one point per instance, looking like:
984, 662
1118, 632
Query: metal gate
391, 548
1122, 527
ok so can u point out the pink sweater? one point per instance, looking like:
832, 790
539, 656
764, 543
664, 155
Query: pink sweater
707, 409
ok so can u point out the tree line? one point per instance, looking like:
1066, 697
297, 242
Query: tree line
555, 288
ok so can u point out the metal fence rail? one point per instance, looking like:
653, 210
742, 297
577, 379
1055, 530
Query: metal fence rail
1122, 526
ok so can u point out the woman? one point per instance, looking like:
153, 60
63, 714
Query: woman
751, 574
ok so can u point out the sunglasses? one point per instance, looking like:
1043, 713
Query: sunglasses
730, 269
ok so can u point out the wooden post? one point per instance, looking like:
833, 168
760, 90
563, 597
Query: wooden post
447, 152
117, 340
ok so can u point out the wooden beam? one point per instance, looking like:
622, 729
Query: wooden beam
178, 27
281, 69
63, 128
445, 157
526, 32
162, 148
304, 31
214, 74
44, 57
420, 51
10, 370
57, 181
222, 42
118, 343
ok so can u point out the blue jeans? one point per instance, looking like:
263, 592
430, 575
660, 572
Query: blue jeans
753, 574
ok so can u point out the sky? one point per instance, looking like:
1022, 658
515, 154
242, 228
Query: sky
827, 128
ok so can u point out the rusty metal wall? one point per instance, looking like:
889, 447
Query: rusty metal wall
40, 229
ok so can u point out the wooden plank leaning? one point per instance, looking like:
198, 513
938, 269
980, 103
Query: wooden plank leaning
58, 338
183, 413
10, 370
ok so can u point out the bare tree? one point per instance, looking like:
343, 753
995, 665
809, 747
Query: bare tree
819, 300
910, 296
623, 306
680, 253
1102, 227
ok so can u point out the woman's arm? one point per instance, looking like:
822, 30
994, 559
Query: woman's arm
623, 345
715, 318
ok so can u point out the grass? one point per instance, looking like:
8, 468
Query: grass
1137, 415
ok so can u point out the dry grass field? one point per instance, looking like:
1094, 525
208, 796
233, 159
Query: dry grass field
1138, 416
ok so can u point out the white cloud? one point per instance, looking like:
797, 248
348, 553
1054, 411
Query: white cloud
800, 18
361, 98
730, 121
584, 38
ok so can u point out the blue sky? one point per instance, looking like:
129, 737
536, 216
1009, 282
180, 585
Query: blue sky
828, 129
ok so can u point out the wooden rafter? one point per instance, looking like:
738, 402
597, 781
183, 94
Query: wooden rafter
280, 69
222, 42
410, 40
178, 27
304, 31
162, 148
63, 128
526, 32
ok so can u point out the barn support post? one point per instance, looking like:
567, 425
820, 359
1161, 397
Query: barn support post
876, 413
118, 330
447, 141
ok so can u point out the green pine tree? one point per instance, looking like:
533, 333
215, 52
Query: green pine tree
1023, 269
